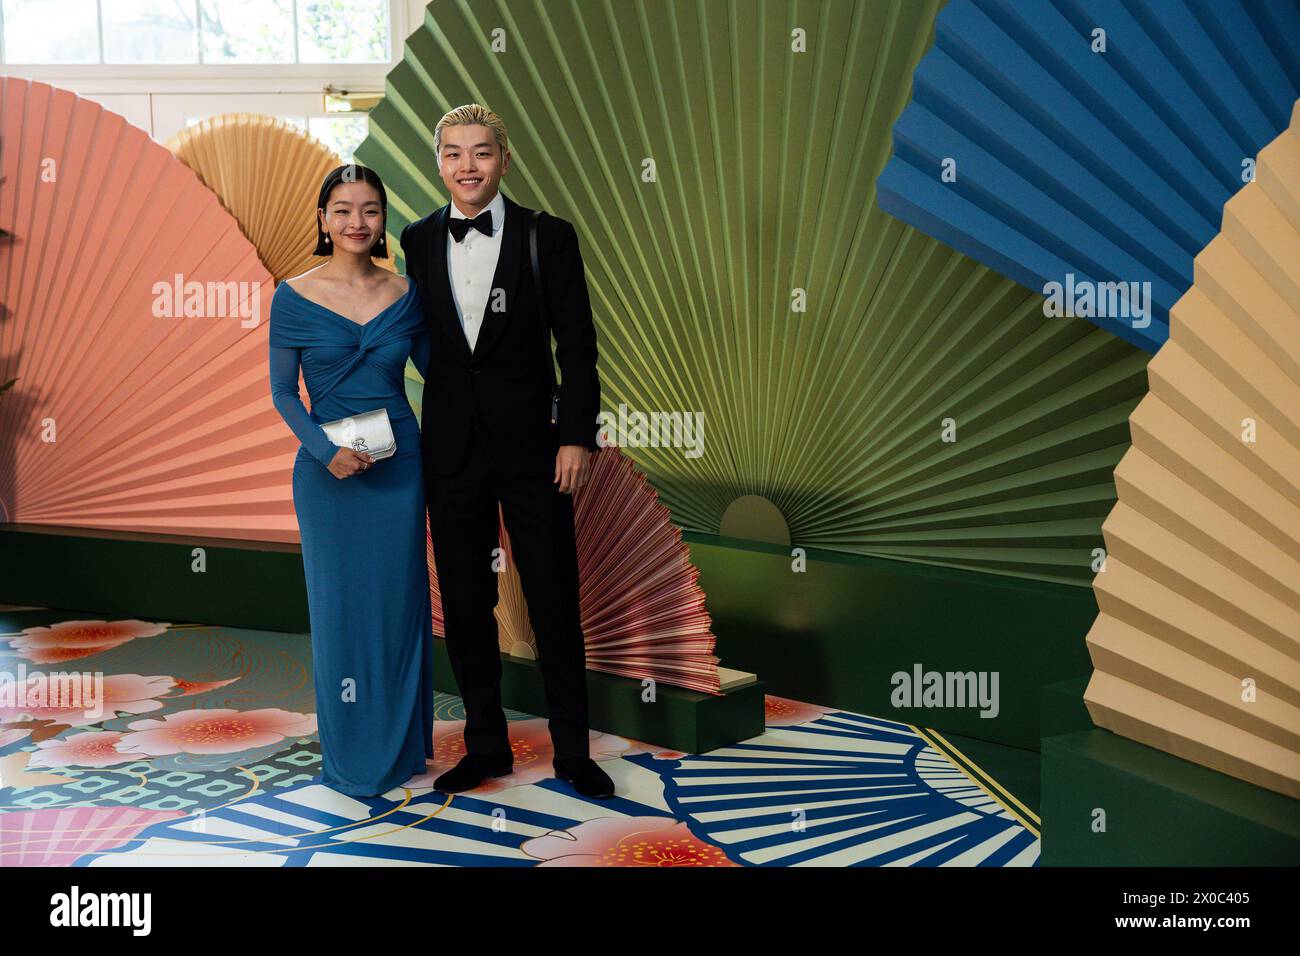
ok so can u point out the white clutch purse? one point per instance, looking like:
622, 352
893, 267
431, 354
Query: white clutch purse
370, 432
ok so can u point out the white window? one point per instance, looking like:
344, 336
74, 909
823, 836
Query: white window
51, 32
341, 132
163, 64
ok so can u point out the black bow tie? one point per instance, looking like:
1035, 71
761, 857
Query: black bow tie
482, 222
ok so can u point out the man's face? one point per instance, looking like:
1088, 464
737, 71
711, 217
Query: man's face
471, 164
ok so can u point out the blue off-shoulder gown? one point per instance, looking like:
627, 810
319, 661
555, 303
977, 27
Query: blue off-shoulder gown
363, 538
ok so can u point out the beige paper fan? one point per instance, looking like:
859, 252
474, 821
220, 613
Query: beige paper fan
514, 630
267, 173
1197, 647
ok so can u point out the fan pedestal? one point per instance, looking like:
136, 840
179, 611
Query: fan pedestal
256, 584
1160, 810
253, 584
679, 719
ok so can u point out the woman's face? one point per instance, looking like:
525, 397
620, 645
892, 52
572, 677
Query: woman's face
353, 217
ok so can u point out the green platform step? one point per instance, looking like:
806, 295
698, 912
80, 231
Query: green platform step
253, 584
1160, 810
832, 634
837, 632
678, 719
261, 586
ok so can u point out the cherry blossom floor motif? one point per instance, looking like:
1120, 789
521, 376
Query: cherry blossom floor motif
201, 749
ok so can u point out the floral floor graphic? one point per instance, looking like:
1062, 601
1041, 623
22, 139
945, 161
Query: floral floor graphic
206, 754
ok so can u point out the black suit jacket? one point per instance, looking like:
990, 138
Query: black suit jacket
503, 384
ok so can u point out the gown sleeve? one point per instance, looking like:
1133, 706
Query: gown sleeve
421, 351
288, 402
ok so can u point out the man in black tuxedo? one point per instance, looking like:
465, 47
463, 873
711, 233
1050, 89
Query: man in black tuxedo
487, 436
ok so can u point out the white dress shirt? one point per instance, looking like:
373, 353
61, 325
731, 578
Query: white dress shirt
471, 264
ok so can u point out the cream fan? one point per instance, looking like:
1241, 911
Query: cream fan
135, 321
267, 173
643, 612
1197, 648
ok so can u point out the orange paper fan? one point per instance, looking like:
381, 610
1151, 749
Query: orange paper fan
135, 323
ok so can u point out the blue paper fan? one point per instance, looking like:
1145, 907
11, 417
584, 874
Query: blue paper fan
1108, 165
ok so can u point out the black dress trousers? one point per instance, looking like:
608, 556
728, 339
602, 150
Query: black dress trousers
539, 520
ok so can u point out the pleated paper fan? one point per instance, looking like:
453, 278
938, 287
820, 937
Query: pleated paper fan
59, 836
514, 631
267, 173
135, 323
1197, 647
1091, 140
643, 612
722, 187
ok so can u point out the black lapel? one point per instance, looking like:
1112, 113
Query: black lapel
447, 317
505, 278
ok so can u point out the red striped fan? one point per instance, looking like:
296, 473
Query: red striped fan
643, 612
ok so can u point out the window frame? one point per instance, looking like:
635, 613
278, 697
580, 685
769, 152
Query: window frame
191, 77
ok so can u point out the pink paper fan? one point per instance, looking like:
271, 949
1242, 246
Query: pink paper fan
643, 611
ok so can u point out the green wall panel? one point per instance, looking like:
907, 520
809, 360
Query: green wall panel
832, 634
836, 633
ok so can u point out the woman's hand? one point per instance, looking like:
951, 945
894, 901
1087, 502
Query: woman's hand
347, 463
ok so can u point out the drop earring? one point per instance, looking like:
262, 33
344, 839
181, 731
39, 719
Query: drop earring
327, 239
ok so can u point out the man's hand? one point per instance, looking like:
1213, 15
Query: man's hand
571, 467
347, 463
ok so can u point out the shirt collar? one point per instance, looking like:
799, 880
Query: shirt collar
497, 207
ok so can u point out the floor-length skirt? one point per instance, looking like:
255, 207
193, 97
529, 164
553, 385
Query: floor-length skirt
365, 558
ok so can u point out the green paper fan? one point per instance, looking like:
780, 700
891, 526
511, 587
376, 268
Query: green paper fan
718, 178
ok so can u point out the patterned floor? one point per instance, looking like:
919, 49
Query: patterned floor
206, 754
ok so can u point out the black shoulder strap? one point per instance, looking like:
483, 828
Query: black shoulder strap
539, 291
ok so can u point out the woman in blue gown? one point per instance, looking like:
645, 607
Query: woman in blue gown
351, 326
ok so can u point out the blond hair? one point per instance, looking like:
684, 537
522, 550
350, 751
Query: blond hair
471, 114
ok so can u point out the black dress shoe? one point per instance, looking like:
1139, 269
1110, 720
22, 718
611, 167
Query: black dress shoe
471, 771
587, 778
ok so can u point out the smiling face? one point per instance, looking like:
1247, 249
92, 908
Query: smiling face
471, 164
353, 217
